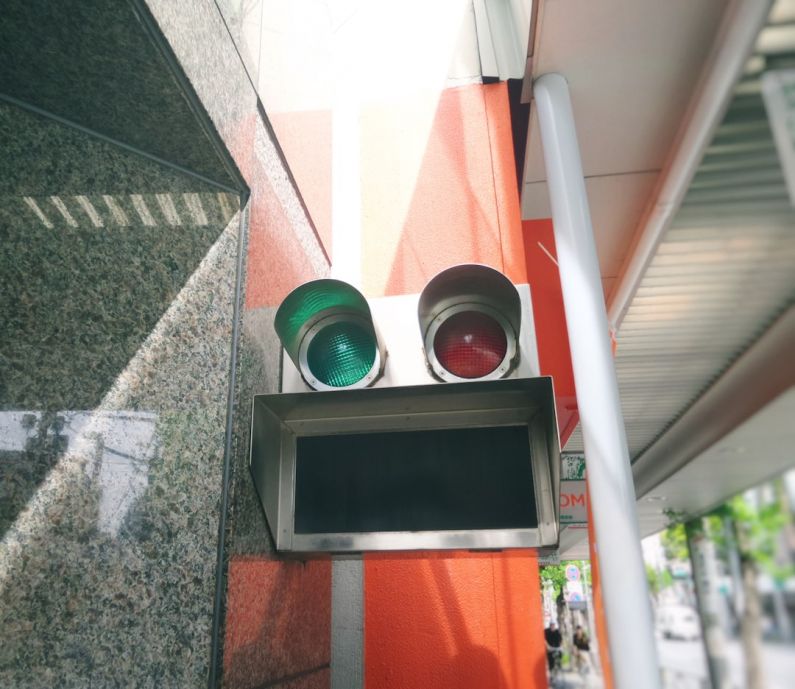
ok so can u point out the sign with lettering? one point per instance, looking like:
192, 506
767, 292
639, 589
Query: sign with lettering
572, 466
573, 503
574, 592
573, 494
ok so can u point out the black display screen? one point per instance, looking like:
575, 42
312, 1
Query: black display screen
453, 479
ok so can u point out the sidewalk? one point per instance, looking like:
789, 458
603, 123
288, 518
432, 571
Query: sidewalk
573, 680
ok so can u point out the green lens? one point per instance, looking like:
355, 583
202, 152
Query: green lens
341, 354
308, 301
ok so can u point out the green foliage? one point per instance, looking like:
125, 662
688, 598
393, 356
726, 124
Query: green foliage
658, 579
674, 542
755, 533
757, 529
553, 576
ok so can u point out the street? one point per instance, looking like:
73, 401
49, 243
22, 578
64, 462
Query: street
685, 665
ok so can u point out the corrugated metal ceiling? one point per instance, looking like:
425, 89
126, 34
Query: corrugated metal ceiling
723, 272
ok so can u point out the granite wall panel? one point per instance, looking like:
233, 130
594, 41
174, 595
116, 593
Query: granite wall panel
116, 356
96, 64
118, 303
283, 250
124, 317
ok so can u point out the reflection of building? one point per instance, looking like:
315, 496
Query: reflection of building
115, 448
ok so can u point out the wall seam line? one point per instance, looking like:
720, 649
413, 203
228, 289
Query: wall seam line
213, 679
493, 177
496, 614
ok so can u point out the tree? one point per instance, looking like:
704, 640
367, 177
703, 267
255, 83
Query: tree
658, 580
755, 529
554, 576
704, 565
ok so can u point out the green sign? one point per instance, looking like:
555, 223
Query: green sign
572, 466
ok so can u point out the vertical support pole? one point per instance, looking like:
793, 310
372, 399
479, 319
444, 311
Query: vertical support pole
610, 485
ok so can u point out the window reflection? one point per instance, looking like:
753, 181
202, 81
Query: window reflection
118, 448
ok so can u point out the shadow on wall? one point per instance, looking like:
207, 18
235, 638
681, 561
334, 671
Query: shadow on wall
474, 667
452, 621
106, 573
471, 666
282, 251
278, 623
460, 209
554, 354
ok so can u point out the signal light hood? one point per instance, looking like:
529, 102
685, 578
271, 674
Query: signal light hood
327, 330
471, 289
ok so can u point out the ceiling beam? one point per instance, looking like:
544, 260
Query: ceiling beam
763, 372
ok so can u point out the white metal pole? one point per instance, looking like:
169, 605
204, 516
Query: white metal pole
610, 488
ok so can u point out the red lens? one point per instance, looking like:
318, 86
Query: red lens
470, 344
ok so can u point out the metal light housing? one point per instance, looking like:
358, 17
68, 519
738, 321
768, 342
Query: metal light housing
409, 468
327, 330
480, 308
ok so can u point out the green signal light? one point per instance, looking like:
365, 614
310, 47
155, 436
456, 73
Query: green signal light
341, 354
326, 328
310, 301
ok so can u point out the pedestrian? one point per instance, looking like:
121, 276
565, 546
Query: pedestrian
553, 639
581, 649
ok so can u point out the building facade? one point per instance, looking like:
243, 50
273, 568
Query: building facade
155, 212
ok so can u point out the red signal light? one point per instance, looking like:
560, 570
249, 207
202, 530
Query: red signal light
470, 344
470, 317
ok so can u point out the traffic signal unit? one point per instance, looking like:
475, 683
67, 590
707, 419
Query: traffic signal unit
416, 335
454, 446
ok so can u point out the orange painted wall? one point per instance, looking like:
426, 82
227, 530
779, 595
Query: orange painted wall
550, 317
452, 620
305, 138
278, 622
598, 606
464, 206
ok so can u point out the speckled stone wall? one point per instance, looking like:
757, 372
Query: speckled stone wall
277, 621
276, 617
102, 66
120, 276
117, 302
97, 243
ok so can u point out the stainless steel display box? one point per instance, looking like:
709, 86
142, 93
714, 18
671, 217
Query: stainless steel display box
427, 467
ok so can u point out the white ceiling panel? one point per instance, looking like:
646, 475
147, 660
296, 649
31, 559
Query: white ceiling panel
722, 274
755, 451
616, 203
631, 68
